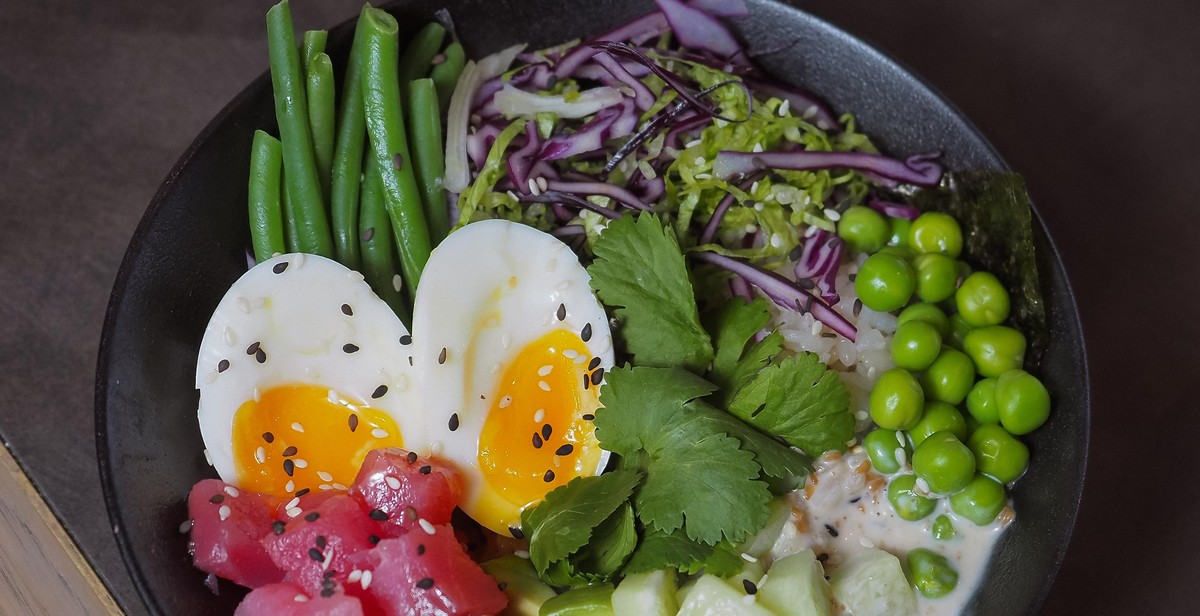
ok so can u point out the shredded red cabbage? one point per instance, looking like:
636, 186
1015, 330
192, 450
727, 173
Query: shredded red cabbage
919, 169
893, 209
699, 30
819, 262
640, 29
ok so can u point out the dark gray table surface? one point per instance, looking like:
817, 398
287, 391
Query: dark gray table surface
1094, 101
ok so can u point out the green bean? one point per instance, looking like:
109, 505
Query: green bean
313, 44
348, 158
322, 115
288, 208
266, 215
384, 114
291, 111
418, 55
445, 75
375, 234
425, 126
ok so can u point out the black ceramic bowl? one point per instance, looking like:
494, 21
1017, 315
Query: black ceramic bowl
191, 243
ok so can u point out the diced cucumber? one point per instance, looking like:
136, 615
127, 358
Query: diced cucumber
872, 583
585, 601
646, 594
759, 545
526, 593
751, 572
712, 596
796, 586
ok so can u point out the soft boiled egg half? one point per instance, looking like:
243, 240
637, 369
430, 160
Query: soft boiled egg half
303, 370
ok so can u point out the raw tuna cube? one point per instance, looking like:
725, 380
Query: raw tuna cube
406, 488
422, 574
291, 600
227, 526
313, 548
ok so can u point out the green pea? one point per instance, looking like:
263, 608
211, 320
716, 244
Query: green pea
931, 573
959, 328
949, 377
937, 276
881, 445
942, 529
896, 400
998, 454
863, 229
982, 300
980, 501
936, 232
981, 402
907, 503
938, 416
915, 345
900, 227
1022, 401
944, 463
885, 282
995, 349
929, 313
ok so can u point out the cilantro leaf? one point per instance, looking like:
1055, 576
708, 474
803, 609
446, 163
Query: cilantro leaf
564, 522
661, 550
799, 399
757, 357
731, 326
776, 459
640, 271
636, 403
611, 544
724, 560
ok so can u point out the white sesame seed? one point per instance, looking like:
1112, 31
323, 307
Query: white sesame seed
776, 240
756, 149
325, 476
366, 579
816, 327
810, 112
224, 512
505, 340
243, 304
783, 108
703, 176
297, 427
435, 448
521, 554
332, 396
299, 598
861, 415
758, 207
505, 402
833, 215
232, 491
392, 482
582, 359
328, 559
693, 143
748, 599
379, 433
292, 503
570, 353
533, 187
762, 580
294, 511
300, 463
748, 558
229, 336
354, 576
539, 415
700, 160
426, 526
207, 458
557, 462
542, 183
901, 456
324, 487
922, 485
257, 395
340, 486
545, 370
512, 195
866, 543
543, 385
290, 487
186, 526
397, 282
900, 438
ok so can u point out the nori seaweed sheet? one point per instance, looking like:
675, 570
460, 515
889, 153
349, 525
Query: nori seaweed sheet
996, 217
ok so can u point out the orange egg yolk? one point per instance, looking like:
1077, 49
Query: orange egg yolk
538, 434
295, 437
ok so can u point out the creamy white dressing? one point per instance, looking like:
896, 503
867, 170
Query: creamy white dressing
846, 495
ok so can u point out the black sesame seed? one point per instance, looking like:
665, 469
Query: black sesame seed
565, 450
548, 477
587, 382
279, 267
547, 431
453, 422
442, 356
412, 457
253, 348
828, 335
425, 583
425, 470
833, 532
379, 392
597, 376
327, 592
217, 499
353, 422
406, 339
537, 440
290, 451
268, 437
857, 307
347, 310
586, 333
806, 284
223, 365
855, 499
822, 557
312, 517
316, 554
562, 312
795, 252
853, 277
328, 576
349, 348
398, 162
321, 541
410, 360
502, 585
367, 234
378, 514
420, 549
410, 514
373, 539
588, 416
261, 356
289, 467
516, 532
303, 492
750, 587
595, 363
277, 527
